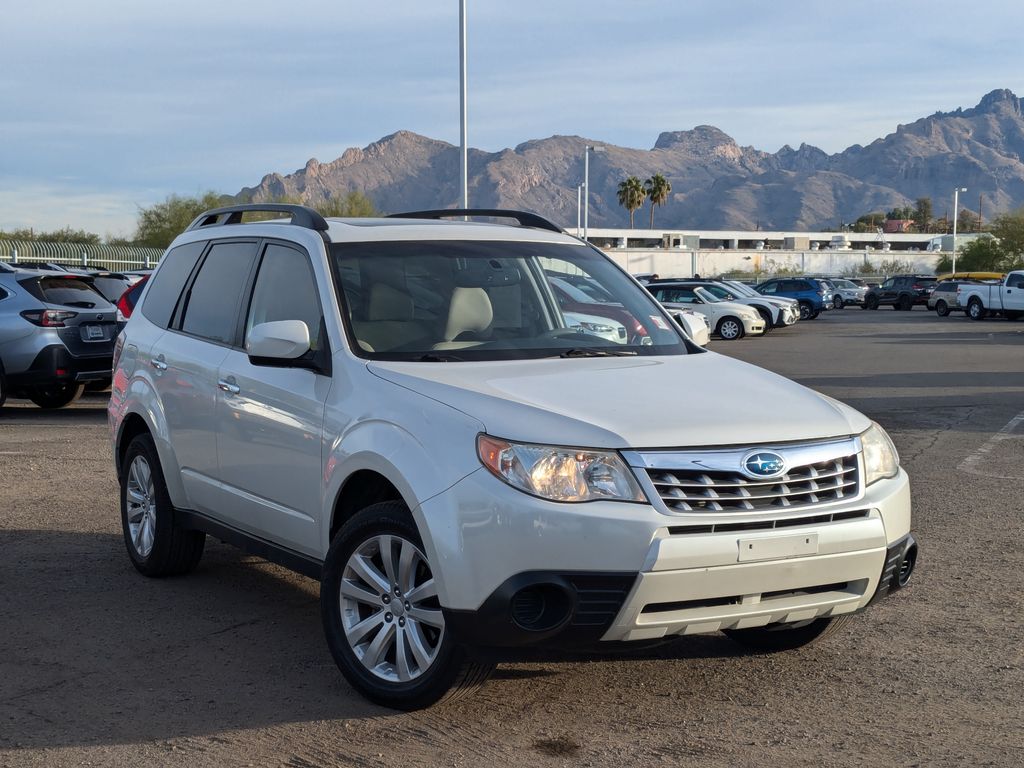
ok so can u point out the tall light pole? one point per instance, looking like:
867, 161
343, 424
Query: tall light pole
587, 149
579, 207
956, 205
464, 151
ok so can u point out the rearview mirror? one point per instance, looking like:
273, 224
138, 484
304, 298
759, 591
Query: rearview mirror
279, 340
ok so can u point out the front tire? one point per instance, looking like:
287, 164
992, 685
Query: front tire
730, 328
382, 618
767, 317
805, 310
838, 303
906, 303
156, 544
786, 637
56, 395
871, 302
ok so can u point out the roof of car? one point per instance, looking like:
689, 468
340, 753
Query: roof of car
354, 230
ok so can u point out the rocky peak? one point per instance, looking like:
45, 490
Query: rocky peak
702, 139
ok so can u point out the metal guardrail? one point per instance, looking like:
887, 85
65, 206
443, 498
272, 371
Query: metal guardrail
112, 257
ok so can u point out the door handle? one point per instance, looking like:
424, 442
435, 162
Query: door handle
229, 386
158, 363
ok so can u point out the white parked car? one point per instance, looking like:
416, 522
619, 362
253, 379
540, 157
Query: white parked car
730, 320
787, 312
397, 408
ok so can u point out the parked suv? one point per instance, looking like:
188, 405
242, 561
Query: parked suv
901, 292
943, 297
397, 408
56, 334
814, 297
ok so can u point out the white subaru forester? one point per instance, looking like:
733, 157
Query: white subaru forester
398, 408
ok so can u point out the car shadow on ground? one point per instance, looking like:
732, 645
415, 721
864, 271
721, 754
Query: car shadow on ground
99, 654
16, 411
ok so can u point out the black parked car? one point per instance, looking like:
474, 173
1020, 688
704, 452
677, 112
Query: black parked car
901, 291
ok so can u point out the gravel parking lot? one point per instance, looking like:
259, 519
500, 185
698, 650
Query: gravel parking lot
228, 666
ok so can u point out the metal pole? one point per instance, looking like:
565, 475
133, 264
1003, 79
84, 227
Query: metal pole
586, 191
464, 156
956, 200
579, 207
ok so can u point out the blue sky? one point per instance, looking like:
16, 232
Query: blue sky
110, 105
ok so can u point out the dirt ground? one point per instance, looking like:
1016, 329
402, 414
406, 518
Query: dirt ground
228, 666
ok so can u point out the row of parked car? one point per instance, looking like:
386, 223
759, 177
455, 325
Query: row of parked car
58, 328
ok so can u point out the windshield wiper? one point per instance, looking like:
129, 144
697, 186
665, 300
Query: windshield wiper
433, 357
589, 352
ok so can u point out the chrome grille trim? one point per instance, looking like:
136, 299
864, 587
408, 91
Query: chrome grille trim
713, 480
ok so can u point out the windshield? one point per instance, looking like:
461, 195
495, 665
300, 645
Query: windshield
706, 295
447, 301
743, 290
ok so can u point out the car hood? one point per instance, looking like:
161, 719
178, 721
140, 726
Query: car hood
629, 402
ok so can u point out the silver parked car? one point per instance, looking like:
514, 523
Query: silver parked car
847, 292
56, 334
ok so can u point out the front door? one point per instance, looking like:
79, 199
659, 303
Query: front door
1013, 293
270, 418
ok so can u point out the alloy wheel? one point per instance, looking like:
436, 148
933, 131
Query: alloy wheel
141, 499
389, 609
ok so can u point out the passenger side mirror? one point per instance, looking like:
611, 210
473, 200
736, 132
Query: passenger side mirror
280, 340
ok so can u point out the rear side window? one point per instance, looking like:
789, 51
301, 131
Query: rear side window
211, 308
67, 291
168, 282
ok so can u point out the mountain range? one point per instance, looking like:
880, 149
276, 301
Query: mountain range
716, 184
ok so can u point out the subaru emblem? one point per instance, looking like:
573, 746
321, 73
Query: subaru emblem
764, 464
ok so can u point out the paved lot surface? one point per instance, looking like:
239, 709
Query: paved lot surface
99, 666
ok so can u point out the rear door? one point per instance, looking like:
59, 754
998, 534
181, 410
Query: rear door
187, 359
270, 417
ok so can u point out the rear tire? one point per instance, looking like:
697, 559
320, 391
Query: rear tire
786, 637
814, 314
838, 302
976, 310
374, 571
56, 395
871, 302
906, 303
941, 308
156, 544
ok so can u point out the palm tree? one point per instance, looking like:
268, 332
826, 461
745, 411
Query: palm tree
657, 188
631, 195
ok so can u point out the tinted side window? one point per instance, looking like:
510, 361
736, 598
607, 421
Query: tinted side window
1015, 281
768, 288
286, 290
168, 282
211, 309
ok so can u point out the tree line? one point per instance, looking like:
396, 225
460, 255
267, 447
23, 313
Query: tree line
922, 219
1000, 253
158, 224
633, 192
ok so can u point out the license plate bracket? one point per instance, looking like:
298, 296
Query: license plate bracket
777, 547
94, 333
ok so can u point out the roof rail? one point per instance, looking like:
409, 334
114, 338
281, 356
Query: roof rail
524, 218
301, 215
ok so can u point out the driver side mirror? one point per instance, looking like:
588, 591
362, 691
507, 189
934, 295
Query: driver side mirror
278, 342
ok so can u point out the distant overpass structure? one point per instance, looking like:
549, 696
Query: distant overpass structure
705, 239
760, 254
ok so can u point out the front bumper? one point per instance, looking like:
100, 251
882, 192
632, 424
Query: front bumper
645, 574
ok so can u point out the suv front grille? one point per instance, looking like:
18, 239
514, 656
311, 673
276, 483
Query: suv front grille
690, 491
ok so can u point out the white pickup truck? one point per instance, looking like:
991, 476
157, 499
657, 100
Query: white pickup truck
981, 300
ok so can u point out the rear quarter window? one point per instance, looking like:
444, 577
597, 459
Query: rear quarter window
168, 282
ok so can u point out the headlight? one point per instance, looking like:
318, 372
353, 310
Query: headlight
880, 457
559, 474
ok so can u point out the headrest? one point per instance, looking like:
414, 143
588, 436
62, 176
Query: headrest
470, 310
387, 303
